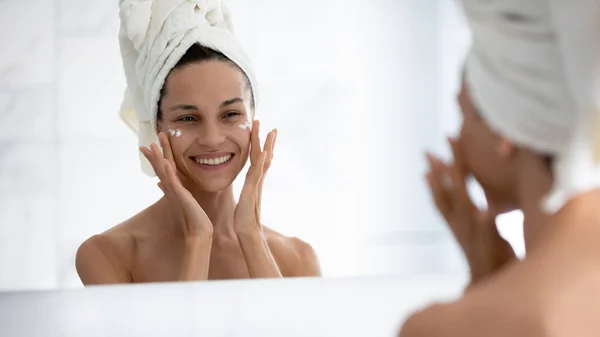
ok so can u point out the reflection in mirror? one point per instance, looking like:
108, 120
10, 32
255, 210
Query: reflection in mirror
199, 105
357, 92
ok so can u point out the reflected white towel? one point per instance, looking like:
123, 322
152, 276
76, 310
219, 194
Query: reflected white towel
153, 36
533, 72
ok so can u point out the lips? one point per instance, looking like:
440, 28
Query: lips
213, 160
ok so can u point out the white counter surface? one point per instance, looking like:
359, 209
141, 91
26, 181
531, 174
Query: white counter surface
294, 307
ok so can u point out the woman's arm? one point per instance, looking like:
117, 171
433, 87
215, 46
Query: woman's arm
196, 226
247, 224
277, 255
258, 256
196, 259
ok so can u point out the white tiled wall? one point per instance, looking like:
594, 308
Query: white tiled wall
354, 87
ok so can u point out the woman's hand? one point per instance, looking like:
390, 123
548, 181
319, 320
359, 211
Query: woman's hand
247, 225
475, 230
247, 212
193, 218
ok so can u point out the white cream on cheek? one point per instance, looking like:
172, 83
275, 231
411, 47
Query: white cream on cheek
175, 133
247, 126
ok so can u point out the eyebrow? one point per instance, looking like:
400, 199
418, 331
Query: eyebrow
231, 101
184, 107
191, 107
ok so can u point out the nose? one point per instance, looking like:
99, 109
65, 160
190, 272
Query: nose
211, 136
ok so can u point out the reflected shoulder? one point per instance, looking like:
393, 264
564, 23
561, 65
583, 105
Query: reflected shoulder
295, 257
103, 259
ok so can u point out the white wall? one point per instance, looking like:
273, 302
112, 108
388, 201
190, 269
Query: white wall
357, 89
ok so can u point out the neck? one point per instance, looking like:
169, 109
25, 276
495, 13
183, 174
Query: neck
219, 207
534, 181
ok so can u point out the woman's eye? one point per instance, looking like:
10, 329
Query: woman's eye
187, 119
231, 114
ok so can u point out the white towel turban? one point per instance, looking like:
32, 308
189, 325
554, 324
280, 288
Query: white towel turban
533, 71
154, 35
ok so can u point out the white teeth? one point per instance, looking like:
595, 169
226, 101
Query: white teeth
213, 161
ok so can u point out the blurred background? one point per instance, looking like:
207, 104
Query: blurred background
358, 90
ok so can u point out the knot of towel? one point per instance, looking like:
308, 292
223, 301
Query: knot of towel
136, 16
153, 37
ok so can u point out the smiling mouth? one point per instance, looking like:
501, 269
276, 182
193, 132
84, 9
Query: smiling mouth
213, 161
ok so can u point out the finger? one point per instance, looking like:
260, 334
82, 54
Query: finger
253, 176
268, 147
458, 175
173, 181
170, 172
259, 169
149, 154
266, 166
273, 146
458, 159
173, 187
166, 146
441, 194
158, 159
255, 142
162, 187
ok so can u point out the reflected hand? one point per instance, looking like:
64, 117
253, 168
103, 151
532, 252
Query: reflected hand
475, 230
247, 212
195, 221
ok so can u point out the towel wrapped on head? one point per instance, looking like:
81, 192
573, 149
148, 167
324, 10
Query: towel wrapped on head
153, 36
533, 72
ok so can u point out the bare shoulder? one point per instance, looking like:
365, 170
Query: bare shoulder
107, 257
493, 307
116, 240
295, 257
466, 318
430, 321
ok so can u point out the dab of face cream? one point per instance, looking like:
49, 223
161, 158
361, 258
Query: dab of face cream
248, 126
175, 133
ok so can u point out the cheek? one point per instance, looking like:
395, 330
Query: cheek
241, 137
237, 133
180, 140
473, 148
480, 157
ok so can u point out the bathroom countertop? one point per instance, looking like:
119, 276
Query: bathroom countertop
373, 306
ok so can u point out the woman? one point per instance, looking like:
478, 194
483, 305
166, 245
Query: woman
205, 103
528, 136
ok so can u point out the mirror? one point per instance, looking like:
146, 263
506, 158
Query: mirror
358, 91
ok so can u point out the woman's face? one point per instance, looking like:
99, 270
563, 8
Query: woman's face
204, 108
487, 156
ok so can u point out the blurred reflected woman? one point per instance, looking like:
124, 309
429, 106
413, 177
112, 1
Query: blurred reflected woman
530, 137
